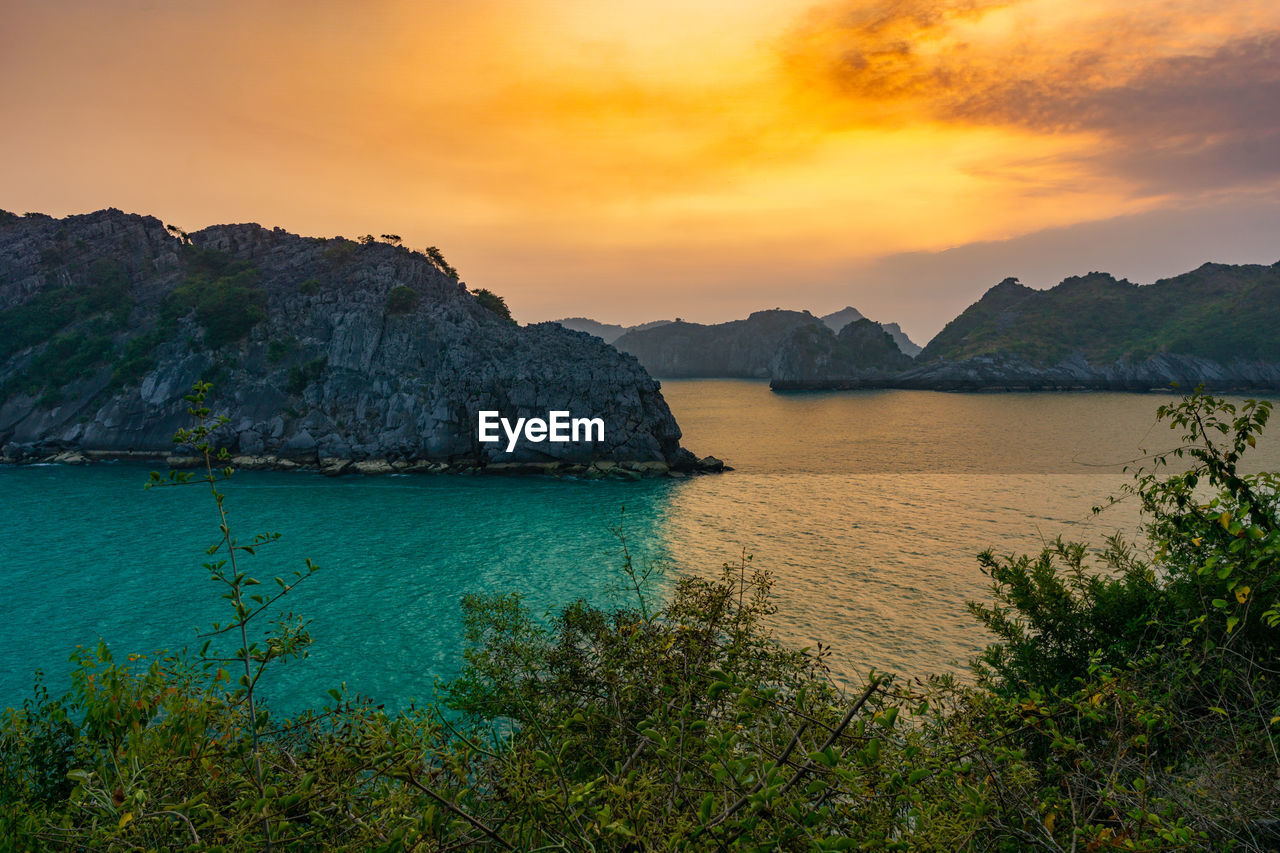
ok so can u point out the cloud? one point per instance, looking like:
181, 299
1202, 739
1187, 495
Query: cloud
1175, 99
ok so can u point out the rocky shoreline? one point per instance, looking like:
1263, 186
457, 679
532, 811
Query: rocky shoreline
1005, 373
337, 467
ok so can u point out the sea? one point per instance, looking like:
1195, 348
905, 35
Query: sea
868, 509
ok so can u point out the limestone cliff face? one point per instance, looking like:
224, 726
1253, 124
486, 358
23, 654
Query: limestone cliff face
812, 357
318, 349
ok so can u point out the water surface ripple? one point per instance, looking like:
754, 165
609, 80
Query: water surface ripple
868, 508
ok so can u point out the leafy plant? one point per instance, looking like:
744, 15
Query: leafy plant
221, 292
300, 376
437, 260
493, 302
402, 300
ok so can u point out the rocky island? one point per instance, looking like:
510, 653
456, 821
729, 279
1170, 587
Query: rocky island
343, 355
1215, 326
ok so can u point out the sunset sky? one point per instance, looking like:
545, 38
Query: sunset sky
630, 160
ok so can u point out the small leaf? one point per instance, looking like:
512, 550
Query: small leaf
704, 810
1242, 594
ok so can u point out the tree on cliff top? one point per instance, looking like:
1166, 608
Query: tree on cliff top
494, 303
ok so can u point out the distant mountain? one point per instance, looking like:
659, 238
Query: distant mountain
909, 347
323, 353
1219, 312
740, 348
737, 349
837, 320
813, 357
1216, 326
610, 332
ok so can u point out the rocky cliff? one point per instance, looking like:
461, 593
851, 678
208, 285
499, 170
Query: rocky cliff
909, 348
862, 354
323, 352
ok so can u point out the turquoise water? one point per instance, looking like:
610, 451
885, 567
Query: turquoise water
867, 507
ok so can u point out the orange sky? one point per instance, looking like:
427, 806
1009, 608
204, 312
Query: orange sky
630, 160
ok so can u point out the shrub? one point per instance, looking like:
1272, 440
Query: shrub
278, 348
495, 303
65, 359
402, 300
221, 292
339, 251
300, 376
437, 260
137, 358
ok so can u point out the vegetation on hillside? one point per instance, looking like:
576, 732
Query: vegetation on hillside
402, 300
493, 302
222, 293
79, 322
1128, 702
1107, 319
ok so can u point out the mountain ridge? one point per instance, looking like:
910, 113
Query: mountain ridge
1215, 325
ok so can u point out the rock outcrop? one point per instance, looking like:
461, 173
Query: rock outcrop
861, 355
324, 353
908, 347
837, 320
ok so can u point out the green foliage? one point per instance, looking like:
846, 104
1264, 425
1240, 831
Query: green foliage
310, 286
402, 300
300, 376
137, 358
1151, 685
102, 292
1056, 618
279, 348
339, 251
495, 303
65, 359
221, 292
1106, 319
437, 260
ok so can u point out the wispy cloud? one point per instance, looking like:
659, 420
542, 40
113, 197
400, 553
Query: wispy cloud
1178, 98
